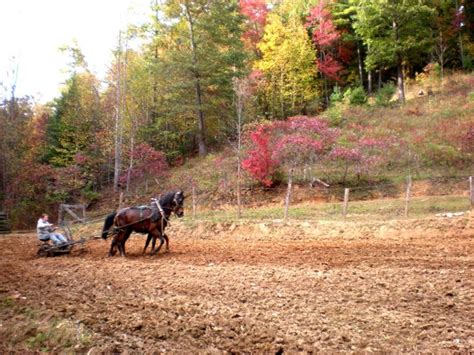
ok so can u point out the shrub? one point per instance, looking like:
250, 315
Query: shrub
336, 95
355, 96
89, 194
385, 94
468, 62
287, 144
335, 115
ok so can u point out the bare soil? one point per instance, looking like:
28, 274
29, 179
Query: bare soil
401, 286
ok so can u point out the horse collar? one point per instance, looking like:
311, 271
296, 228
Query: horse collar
157, 203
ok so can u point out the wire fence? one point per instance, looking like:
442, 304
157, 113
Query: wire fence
440, 196
315, 200
435, 196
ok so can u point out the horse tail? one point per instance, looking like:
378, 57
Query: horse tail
109, 222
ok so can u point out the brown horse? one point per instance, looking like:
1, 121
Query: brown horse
151, 220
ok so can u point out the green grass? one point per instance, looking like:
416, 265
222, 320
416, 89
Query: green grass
369, 210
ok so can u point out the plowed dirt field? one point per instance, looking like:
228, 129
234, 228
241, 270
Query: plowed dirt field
407, 287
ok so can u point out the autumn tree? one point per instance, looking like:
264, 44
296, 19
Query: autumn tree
255, 12
360, 152
75, 130
288, 65
287, 145
326, 38
16, 114
202, 53
396, 33
148, 164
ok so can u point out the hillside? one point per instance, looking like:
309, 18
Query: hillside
430, 138
438, 130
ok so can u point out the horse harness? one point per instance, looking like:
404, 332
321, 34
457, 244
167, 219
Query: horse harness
163, 215
155, 215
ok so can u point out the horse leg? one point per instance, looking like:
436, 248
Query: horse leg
153, 243
115, 243
167, 242
148, 240
112, 247
127, 235
122, 244
162, 240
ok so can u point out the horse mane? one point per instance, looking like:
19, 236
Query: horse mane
167, 198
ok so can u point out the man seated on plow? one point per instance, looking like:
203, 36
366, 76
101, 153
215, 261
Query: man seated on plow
46, 232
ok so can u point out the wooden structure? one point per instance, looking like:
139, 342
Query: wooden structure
77, 212
4, 223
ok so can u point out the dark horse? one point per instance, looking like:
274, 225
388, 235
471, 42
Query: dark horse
151, 220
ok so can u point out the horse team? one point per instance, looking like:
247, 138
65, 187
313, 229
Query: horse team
151, 220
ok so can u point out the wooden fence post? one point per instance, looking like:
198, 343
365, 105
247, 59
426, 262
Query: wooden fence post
288, 192
407, 195
471, 190
346, 203
61, 215
120, 201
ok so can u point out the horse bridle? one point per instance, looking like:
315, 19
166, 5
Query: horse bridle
160, 208
176, 203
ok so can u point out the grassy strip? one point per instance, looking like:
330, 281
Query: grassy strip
384, 209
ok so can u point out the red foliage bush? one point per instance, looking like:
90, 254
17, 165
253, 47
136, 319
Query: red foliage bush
287, 143
147, 162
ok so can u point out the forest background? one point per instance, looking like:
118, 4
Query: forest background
262, 89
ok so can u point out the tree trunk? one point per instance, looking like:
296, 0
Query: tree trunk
130, 166
400, 82
379, 85
461, 46
239, 177
282, 98
369, 82
197, 84
326, 95
239, 152
462, 50
118, 119
359, 60
442, 49
273, 92
288, 192
154, 98
346, 169
240, 89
